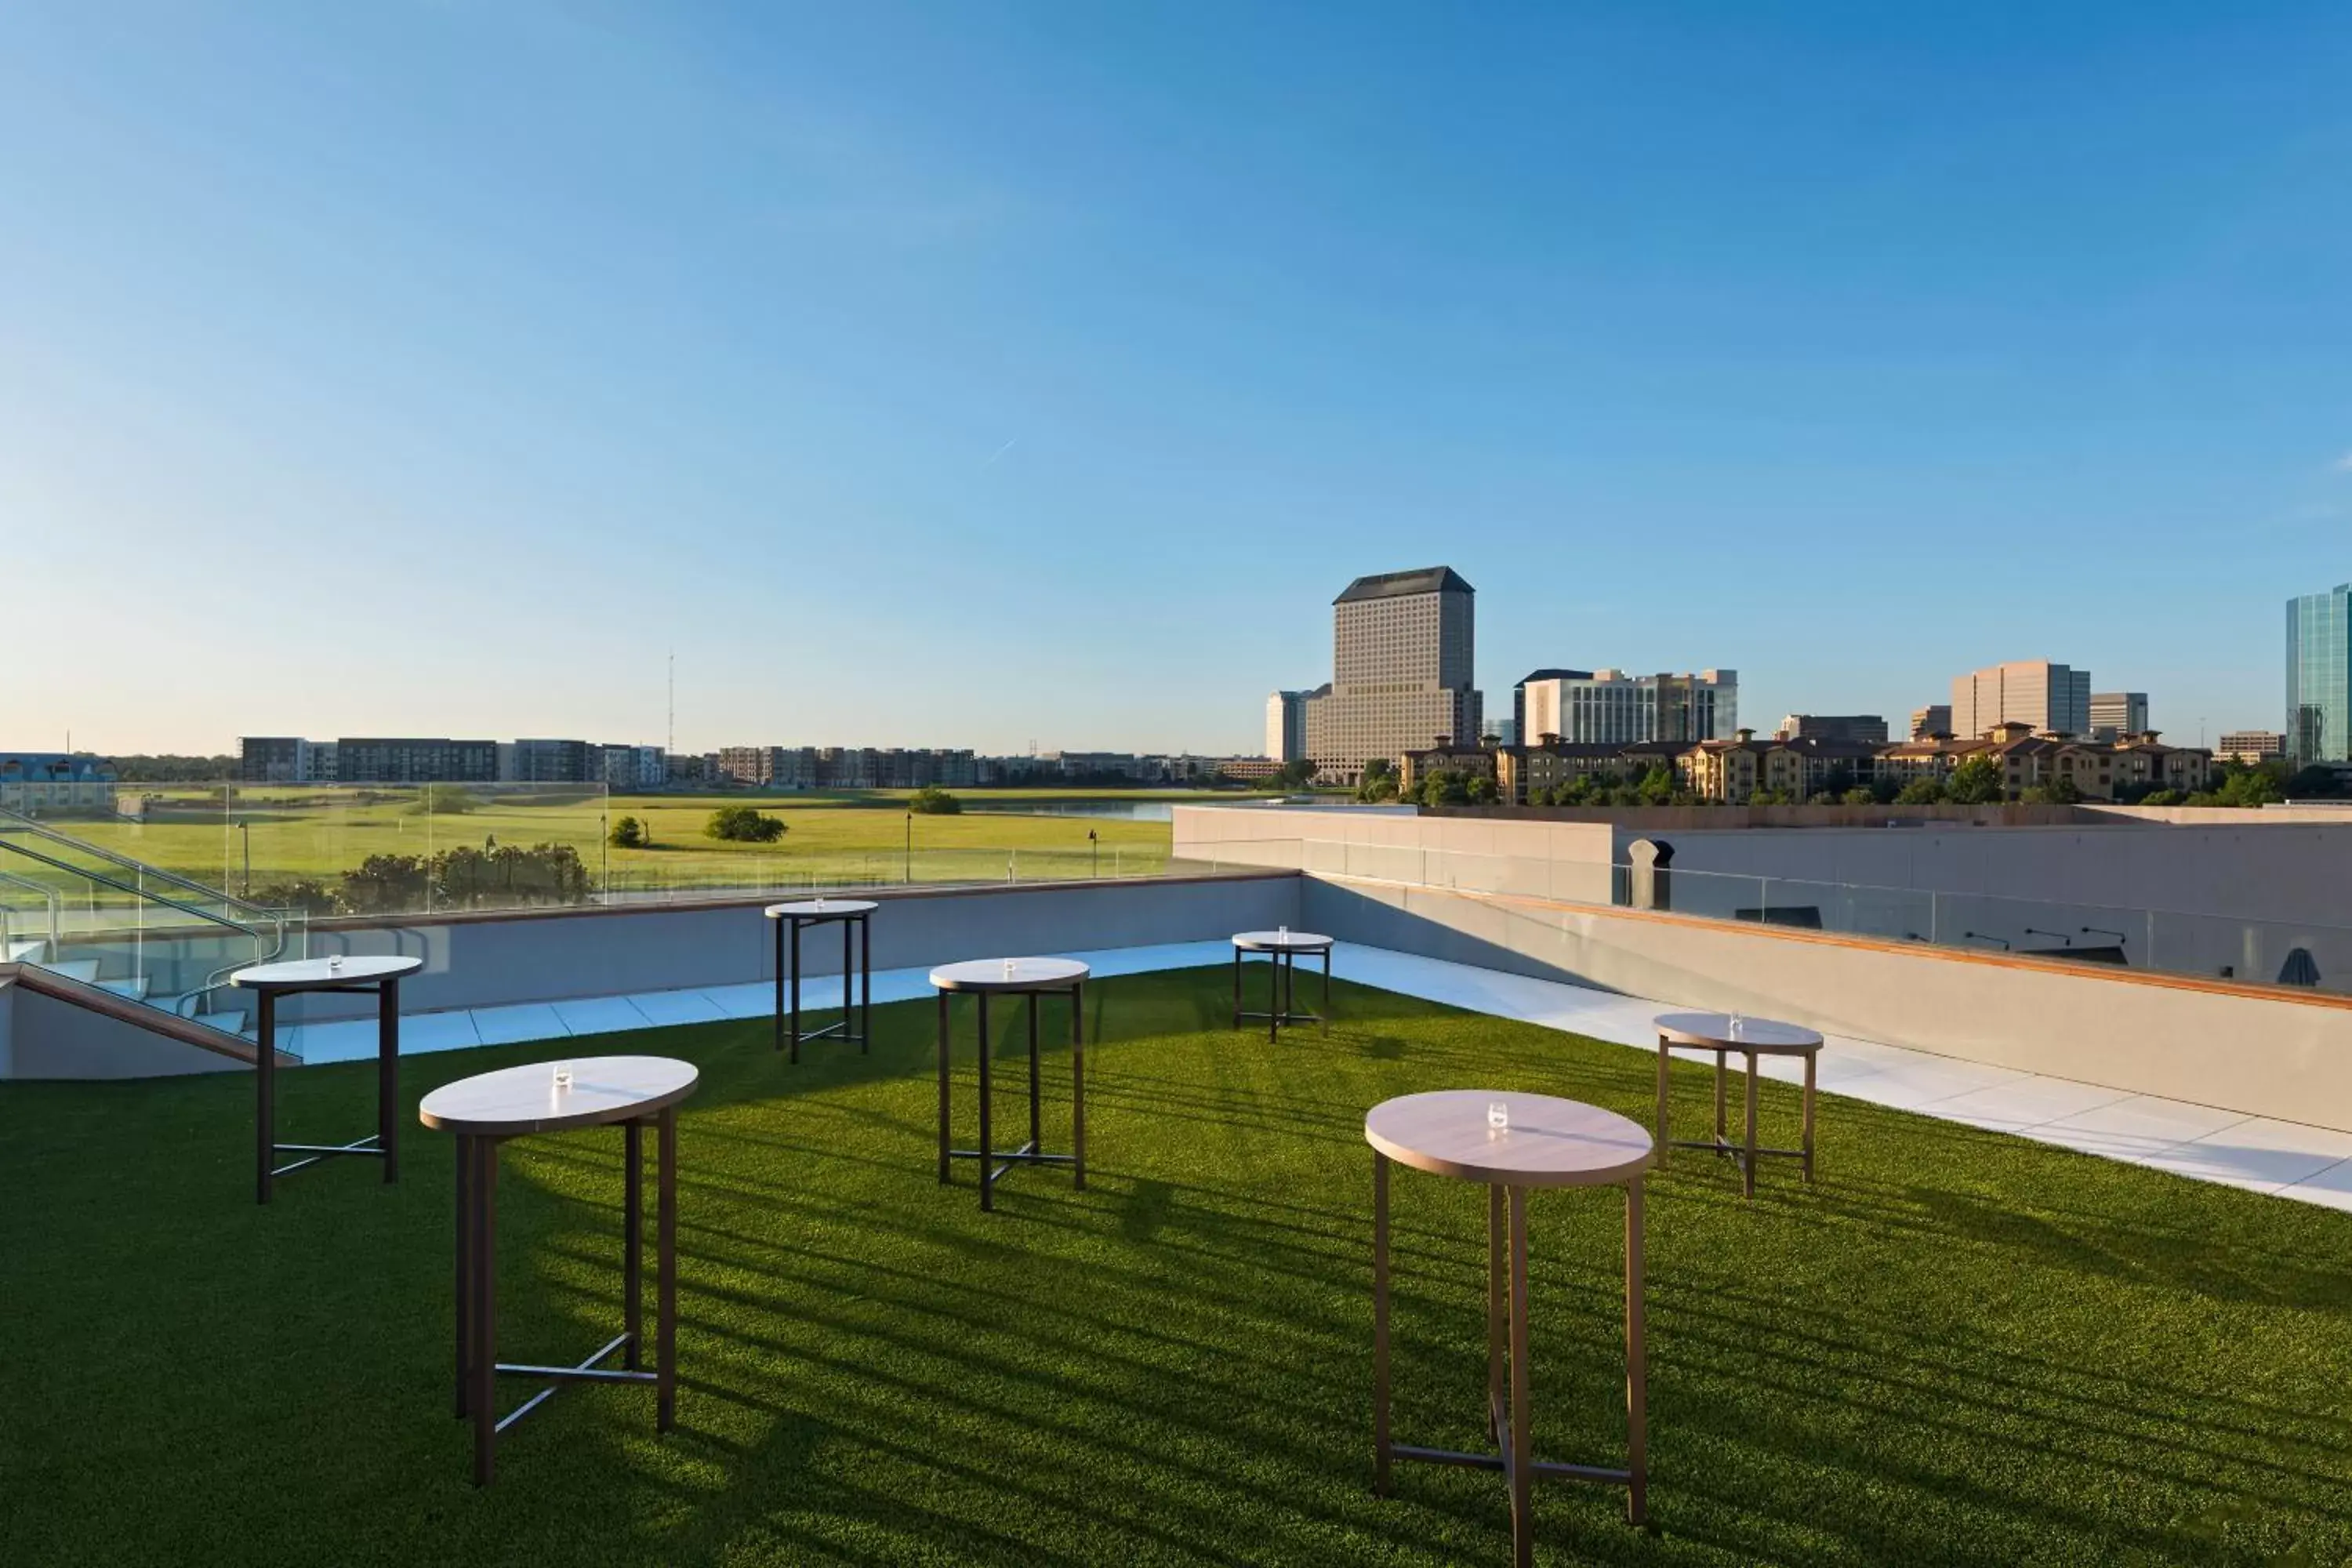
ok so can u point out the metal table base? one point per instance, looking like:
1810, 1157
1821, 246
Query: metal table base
1508, 1414
383, 1143
1746, 1152
790, 1040
1032, 1152
478, 1366
1281, 991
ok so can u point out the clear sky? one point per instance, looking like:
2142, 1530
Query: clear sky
974, 373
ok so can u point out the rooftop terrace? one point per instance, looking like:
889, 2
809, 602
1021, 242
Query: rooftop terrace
1961, 1346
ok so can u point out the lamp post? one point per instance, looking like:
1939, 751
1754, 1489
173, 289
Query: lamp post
245, 839
910, 846
1097, 843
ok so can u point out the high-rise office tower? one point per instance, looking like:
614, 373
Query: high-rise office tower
1402, 645
2052, 697
2114, 713
2319, 675
1285, 725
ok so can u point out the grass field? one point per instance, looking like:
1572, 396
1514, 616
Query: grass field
291, 833
1959, 1348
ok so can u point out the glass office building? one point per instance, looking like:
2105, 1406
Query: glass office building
2319, 675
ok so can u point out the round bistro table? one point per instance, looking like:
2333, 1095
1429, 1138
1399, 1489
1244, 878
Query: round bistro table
1549, 1142
486, 1110
269, 981
1035, 978
1750, 1038
855, 917
1282, 948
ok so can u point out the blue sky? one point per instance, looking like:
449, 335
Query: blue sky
977, 375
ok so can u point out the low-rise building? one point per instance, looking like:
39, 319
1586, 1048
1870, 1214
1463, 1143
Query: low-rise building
37, 781
2250, 746
1867, 727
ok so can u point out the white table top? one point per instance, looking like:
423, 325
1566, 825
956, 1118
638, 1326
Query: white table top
806, 907
1765, 1036
514, 1100
1550, 1142
1272, 941
309, 973
1026, 974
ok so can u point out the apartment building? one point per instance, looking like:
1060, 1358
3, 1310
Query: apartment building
409, 759
1403, 649
37, 781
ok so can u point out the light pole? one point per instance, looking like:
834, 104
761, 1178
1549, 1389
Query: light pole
910, 846
1097, 842
245, 839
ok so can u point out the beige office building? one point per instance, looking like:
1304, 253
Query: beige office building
1402, 645
2114, 714
2052, 698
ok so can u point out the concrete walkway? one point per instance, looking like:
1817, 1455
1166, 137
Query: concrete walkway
2287, 1159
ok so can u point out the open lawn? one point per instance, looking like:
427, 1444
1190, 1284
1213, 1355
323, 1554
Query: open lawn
1959, 1347
291, 834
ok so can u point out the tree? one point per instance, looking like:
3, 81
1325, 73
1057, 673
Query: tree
1770, 797
1482, 791
932, 801
627, 833
2243, 786
1859, 796
1658, 786
1299, 773
1975, 781
2162, 798
1443, 786
2060, 791
1925, 790
742, 824
1379, 783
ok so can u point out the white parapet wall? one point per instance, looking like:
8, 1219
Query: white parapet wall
2262, 1051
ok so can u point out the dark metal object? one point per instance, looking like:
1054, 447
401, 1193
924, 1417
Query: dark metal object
1282, 990
1032, 1152
479, 1367
383, 1143
1747, 1151
856, 923
1509, 1414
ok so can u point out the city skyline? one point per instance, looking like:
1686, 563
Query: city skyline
884, 365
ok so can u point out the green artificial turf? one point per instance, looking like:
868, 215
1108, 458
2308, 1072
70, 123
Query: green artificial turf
1959, 1347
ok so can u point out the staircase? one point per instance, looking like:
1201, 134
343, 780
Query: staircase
101, 918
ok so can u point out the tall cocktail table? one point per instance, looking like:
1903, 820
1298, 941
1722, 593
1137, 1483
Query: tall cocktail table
1544, 1142
1725, 1034
269, 981
856, 917
1035, 978
486, 1110
1282, 948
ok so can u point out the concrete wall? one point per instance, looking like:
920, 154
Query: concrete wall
45, 1038
490, 960
1542, 860
2281, 1055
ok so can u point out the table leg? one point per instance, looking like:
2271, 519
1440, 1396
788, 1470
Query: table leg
1078, 1085
485, 1335
1810, 1056
1664, 1061
633, 1240
665, 1286
943, 1088
1274, 998
265, 1082
1379, 1324
1637, 1373
1719, 1123
987, 1148
1748, 1176
864, 985
1521, 1471
1037, 1124
1498, 1310
1326, 990
779, 982
795, 1036
464, 1299
387, 1077
1238, 988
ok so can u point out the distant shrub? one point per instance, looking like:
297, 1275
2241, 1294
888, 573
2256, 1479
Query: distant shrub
932, 801
444, 800
742, 824
306, 894
627, 833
